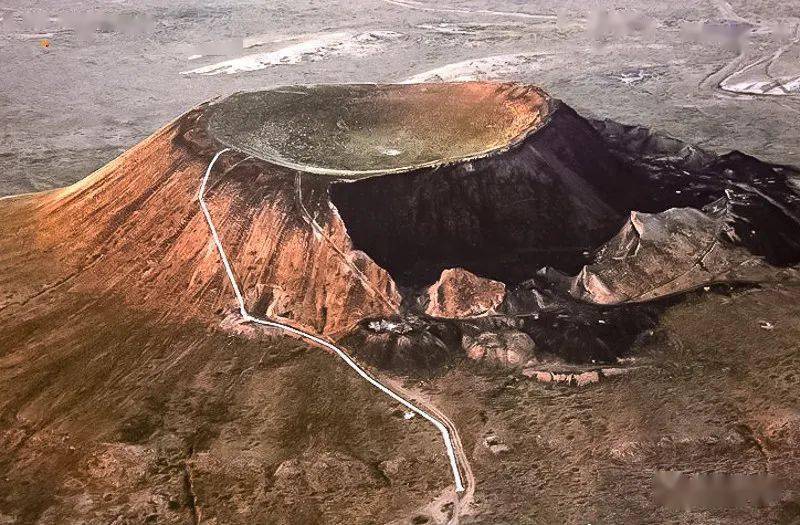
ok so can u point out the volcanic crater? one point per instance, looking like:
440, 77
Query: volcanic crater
420, 226
495, 204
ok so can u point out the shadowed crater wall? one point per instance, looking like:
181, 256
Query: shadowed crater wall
556, 198
547, 202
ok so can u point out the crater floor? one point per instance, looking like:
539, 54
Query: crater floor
360, 130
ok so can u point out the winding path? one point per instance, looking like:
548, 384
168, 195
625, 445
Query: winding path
722, 78
450, 437
726, 84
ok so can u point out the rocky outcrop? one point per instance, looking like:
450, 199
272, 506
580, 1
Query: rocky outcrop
459, 293
575, 377
406, 346
569, 378
495, 444
661, 254
508, 348
763, 200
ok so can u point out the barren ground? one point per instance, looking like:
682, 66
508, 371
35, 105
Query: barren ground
68, 109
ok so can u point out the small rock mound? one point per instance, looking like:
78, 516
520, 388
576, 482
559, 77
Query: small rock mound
508, 348
495, 444
459, 293
409, 346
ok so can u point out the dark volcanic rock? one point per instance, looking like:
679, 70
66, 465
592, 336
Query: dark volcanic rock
410, 346
664, 173
618, 214
574, 330
559, 195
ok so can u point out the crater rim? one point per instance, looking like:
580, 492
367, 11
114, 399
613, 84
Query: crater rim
351, 131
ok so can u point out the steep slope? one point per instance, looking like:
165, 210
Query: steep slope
135, 225
548, 200
128, 388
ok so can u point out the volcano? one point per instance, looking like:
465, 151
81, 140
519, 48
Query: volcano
457, 234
